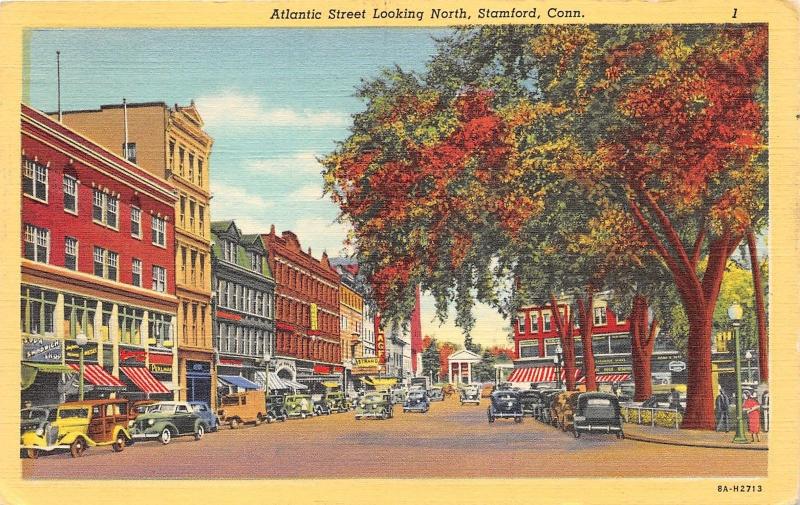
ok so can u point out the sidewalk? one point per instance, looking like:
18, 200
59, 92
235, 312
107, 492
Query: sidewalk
692, 438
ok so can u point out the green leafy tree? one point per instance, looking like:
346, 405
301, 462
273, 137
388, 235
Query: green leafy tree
431, 359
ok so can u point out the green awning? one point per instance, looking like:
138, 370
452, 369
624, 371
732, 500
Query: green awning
29, 371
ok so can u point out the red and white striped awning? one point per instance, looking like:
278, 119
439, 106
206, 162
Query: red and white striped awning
144, 380
537, 374
610, 377
96, 375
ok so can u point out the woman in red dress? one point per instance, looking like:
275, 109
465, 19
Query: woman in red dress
752, 408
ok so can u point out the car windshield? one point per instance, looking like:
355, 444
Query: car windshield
416, 395
168, 408
70, 413
506, 397
27, 414
199, 408
373, 398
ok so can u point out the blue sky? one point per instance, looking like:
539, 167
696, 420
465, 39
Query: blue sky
273, 100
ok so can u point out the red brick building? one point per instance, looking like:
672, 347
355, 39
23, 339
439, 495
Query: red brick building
97, 260
307, 345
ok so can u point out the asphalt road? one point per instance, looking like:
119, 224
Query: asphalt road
448, 441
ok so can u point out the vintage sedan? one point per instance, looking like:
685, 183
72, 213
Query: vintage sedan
417, 401
206, 414
375, 405
79, 425
505, 404
335, 401
532, 402
470, 394
437, 394
276, 410
164, 421
32, 418
298, 405
237, 409
597, 413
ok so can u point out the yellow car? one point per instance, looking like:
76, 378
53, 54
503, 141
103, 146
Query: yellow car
79, 425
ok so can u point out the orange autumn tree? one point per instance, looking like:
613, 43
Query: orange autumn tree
458, 179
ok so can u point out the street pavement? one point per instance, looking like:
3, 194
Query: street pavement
450, 441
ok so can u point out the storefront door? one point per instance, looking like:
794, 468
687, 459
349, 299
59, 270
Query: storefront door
198, 381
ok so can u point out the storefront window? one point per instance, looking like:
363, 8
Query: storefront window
528, 349
129, 322
105, 321
578, 348
600, 345
37, 311
159, 326
621, 345
79, 316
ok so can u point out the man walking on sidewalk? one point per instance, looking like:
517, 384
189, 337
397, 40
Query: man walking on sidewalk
722, 405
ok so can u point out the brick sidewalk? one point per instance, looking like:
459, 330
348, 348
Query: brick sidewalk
694, 438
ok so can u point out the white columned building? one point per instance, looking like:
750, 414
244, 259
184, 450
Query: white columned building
459, 366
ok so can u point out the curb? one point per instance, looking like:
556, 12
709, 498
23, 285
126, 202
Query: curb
744, 447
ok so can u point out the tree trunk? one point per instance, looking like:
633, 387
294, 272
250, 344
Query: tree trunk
761, 313
586, 320
564, 327
643, 336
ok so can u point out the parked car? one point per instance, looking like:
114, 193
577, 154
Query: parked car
79, 425
546, 413
417, 401
33, 418
298, 405
532, 402
470, 394
505, 404
437, 394
597, 412
398, 395
240, 408
563, 409
376, 405
276, 411
336, 401
320, 407
164, 421
204, 411
136, 407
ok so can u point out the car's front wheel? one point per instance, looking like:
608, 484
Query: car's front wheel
201, 430
77, 447
165, 436
32, 453
119, 444
518, 419
234, 423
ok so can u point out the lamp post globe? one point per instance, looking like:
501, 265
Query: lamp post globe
735, 313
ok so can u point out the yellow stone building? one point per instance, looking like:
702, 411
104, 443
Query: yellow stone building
170, 142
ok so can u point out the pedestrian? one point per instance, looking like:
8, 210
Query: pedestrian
765, 409
722, 405
675, 399
752, 408
615, 389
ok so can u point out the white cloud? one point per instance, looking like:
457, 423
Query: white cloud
235, 198
490, 328
299, 163
321, 234
234, 108
309, 193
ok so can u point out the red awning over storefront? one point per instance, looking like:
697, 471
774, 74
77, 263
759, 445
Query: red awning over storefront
144, 380
610, 377
95, 374
537, 374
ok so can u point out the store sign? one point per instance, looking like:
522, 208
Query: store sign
73, 351
284, 364
380, 347
199, 366
314, 321
322, 369
677, 366
159, 368
367, 362
42, 350
230, 362
128, 356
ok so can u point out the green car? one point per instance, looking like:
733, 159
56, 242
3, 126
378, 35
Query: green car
163, 421
336, 401
376, 405
301, 406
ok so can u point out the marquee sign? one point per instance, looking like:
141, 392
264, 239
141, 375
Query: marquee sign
314, 321
368, 362
42, 350
73, 351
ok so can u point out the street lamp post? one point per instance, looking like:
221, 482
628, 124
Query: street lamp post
81, 340
557, 359
735, 315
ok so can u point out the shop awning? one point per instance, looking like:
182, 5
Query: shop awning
331, 384
276, 383
29, 371
144, 380
95, 374
376, 381
237, 381
610, 377
294, 385
537, 374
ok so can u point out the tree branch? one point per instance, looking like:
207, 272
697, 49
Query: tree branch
669, 230
698, 243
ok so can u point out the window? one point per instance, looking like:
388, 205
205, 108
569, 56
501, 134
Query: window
129, 325
202, 269
37, 311
34, 180
105, 208
620, 345
136, 222
546, 322
200, 172
194, 266
112, 261
37, 243
70, 194
171, 160
191, 167
71, 253
235, 304
534, 322
521, 324
528, 349
344, 322
183, 211
105, 263
201, 219
136, 270
159, 279
231, 252
191, 215
255, 261
159, 228
79, 316
99, 255
600, 345
600, 316
129, 151
181, 154
222, 293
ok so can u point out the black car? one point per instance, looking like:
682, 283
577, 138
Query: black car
545, 413
275, 408
33, 418
505, 404
532, 402
597, 413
